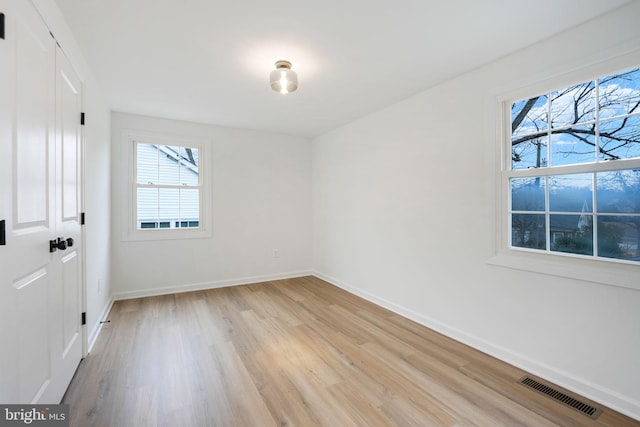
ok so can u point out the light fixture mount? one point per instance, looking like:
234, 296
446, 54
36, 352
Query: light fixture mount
283, 79
283, 64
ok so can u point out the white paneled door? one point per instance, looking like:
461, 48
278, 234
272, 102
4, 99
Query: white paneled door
41, 260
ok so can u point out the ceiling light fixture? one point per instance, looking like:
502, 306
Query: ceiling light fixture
283, 79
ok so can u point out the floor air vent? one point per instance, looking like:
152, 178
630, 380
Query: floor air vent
583, 407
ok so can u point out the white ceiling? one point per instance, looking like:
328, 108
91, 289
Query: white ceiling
208, 61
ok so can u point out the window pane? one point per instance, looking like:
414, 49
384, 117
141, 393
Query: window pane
527, 194
168, 161
572, 233
528, 231
528, 133
618, 237
529, 152
571, 193
620, 139
190, 155
169, 204
573, 105
190, 204
189, 166
619, 94
187, 224
529, 116
618, 191
147, 205
146, 164
573, 146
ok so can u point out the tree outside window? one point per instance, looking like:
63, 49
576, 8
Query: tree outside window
574, 181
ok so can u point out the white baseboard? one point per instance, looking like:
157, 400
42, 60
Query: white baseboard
207, 285
93, 336
609, 398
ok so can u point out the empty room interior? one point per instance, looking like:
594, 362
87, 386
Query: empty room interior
337, 213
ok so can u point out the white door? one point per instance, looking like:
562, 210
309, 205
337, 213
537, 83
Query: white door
66, 328
39, 290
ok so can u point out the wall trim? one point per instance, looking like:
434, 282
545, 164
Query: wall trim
607, 397
93, 336
207, 285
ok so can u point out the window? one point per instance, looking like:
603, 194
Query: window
573, 174
168, 187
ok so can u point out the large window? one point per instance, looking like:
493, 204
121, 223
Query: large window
574, 175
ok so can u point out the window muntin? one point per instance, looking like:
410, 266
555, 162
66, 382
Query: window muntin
168, 187
574, 181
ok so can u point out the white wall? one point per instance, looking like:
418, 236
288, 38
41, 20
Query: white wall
404, 214
261, 201
97, 166
97, 201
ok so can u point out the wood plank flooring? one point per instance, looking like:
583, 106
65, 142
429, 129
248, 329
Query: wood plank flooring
296, 352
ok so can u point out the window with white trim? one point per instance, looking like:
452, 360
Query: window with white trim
573, 172
168, 187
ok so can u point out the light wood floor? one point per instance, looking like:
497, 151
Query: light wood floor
296, 352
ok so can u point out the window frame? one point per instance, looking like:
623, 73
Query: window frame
601, 270
131, 232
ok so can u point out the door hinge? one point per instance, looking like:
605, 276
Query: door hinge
82, 218
2, 26
82, 119
84, 318
3, 232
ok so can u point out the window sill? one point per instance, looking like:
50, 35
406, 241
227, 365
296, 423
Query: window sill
611, 273
159, 234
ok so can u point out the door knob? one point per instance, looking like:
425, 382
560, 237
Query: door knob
59, 243
69, 242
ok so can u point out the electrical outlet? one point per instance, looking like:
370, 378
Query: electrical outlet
276, 253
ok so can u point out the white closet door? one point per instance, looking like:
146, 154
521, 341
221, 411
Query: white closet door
39, 289
30, 219
8, 357
66, 264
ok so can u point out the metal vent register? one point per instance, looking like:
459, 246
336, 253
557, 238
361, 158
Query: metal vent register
573, 402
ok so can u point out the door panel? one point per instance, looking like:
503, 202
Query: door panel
70, 298
34, 335
68, 110
33, 59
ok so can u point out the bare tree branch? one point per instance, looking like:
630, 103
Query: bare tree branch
523, 113
613, 98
